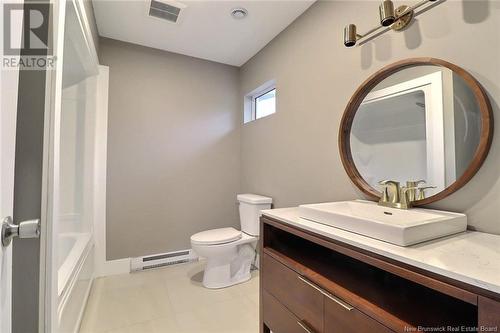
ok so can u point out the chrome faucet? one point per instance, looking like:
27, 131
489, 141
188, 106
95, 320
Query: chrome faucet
394, 195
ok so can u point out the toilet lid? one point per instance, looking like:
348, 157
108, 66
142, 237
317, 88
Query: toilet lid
216, 236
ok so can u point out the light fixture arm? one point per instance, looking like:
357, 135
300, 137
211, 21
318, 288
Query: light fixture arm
402, 18
417, 6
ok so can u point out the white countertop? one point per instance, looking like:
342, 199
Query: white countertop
471, 257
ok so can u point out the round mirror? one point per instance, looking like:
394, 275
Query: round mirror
422, 122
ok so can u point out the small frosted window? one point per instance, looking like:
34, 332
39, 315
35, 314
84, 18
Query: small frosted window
265, 104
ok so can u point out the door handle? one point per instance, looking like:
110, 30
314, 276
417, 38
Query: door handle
25, 229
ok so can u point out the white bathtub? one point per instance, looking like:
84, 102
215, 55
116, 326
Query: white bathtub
71, 248
74, 278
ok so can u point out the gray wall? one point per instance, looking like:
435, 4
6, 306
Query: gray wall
173, 148
293, 156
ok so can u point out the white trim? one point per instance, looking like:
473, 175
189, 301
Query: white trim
65, 293
9, 79
48, 321
249, 100
103, 267
79, 318
93, 64
50, 196
86, 263
71, 268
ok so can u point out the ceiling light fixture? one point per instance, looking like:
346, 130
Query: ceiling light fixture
239, 13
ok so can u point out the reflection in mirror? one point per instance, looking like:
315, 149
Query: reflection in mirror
422, 122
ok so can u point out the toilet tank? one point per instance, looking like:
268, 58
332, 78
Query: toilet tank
250, 207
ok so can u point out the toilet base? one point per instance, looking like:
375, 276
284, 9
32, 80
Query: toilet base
208, 283
222, 272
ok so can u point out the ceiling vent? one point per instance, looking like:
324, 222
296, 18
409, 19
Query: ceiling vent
169, 11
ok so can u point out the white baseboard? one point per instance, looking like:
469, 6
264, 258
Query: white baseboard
113, 267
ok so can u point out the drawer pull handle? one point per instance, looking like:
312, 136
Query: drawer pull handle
304, 327
326, 293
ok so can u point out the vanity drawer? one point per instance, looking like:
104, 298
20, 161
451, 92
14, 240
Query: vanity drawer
294, 292
279, 319
341, 317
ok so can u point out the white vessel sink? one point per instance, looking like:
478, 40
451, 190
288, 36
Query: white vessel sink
397, 226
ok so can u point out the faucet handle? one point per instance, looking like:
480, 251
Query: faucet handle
405, 189
412, 187
385, 194
393, 183
394, 196
385, 191
388, 182
421, 192
407, 197
415, 183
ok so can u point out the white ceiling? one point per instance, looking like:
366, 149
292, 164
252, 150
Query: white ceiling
205, 29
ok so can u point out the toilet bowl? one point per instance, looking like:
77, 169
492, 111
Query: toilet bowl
229, 252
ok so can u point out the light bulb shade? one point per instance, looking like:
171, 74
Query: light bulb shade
386, 11
350, 35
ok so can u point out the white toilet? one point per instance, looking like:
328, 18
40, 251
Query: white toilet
230, 252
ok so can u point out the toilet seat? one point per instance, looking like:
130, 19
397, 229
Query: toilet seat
216, 236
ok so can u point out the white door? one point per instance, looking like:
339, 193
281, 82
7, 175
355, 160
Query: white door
48, 297
8, 111
11, 42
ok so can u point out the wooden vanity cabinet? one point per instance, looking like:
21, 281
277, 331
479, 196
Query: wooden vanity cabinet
311, 284
294, 293
279, 317
338, 319
489, 313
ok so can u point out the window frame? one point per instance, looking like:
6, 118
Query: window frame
250, 103
256, 97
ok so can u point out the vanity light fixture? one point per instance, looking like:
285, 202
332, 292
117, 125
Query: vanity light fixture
350, 35
386, 12
390, 18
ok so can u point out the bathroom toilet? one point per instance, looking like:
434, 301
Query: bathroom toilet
230, 252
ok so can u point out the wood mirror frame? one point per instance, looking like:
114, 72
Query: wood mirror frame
360, 94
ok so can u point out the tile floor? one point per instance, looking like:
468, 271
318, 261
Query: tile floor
170, 300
